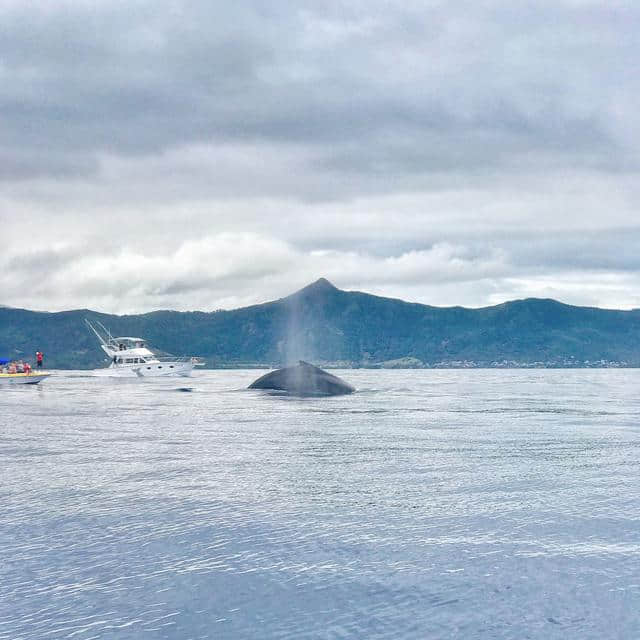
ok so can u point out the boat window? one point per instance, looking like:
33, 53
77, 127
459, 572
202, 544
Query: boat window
119, 360
129, 360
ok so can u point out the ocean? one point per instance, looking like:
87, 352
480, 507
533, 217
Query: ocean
429, 504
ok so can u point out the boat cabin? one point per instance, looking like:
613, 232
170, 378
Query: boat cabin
128, 350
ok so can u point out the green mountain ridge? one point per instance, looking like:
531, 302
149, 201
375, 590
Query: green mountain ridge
326, 325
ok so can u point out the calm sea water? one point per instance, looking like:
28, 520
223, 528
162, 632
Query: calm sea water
430, 504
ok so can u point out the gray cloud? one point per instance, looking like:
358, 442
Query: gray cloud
368, 133
477, 84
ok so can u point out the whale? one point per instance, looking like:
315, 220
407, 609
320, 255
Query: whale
303, 379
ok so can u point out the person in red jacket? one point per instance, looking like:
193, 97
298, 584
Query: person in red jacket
39, 357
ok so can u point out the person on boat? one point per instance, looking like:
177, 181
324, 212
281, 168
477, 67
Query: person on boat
12, 367
19, 367
39, 358
27, 368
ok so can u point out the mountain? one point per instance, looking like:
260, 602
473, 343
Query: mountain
326, 325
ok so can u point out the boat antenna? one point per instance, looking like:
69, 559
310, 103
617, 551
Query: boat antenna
107, 332
102, 339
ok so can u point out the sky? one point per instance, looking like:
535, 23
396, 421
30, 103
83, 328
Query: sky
207, 154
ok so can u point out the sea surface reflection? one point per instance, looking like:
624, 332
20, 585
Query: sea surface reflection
430, 504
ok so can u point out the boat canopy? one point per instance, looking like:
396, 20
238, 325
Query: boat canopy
127, 342
4, 361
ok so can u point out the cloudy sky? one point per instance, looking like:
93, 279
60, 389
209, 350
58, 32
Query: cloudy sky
205, 154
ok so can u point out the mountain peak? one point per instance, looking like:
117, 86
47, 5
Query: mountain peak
320, 285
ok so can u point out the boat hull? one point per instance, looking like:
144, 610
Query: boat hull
22, 378
148, 370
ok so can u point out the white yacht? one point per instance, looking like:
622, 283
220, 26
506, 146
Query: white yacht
131, 357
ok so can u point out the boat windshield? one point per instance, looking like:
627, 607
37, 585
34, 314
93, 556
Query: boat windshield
124, 343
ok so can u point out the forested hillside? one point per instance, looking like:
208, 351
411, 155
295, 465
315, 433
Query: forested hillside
326, 325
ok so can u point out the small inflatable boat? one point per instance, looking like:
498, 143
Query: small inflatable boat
22, 378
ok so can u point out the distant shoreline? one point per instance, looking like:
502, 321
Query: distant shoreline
248, 367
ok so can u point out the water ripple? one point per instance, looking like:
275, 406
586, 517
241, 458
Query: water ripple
470, 504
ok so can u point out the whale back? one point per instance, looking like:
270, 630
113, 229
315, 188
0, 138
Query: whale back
303, 379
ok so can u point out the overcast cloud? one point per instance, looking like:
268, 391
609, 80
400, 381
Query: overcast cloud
204, 155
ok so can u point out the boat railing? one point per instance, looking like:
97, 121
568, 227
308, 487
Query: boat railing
124, 358
192, 359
